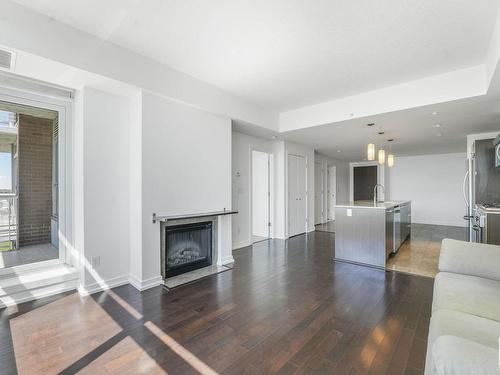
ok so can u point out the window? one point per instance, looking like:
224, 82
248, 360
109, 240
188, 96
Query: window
5, 172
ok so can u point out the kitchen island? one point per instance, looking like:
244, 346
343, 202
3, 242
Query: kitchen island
367, 232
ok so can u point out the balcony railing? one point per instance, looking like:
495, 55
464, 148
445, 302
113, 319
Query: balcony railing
8, 221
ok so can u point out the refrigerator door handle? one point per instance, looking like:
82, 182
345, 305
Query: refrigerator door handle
464, 189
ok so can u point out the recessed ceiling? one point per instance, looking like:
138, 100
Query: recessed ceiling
285, 54
414, 131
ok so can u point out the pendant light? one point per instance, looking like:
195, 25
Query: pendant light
381, 156
390, 157
370, 151
390, 160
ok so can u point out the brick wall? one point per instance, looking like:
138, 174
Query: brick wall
35, 179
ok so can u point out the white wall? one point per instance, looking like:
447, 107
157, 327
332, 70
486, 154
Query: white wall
260, 189
434, 185
186, 168
105, 189
242, 147
342, 175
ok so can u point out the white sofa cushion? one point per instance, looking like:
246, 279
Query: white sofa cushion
469, 294
458, 356
467, 258
455, 323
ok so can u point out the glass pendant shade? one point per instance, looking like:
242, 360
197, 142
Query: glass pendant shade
370, 151
390, 160
381, 156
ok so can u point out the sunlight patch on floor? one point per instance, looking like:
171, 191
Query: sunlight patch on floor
178, 349
54, 336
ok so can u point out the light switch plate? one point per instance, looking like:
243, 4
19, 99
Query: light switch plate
349, 212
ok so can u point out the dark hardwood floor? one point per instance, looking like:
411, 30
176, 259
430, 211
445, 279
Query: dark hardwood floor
285, 308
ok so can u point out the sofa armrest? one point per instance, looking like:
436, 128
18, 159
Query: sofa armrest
457, 356
468, 258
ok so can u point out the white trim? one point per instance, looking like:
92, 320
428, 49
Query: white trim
380, 176
107, 284
141, 285
239, 245
227, 260
28, 267
64, 109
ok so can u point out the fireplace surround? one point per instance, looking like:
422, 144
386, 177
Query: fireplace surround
187, 245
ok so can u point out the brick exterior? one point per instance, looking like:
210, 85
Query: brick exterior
35, 179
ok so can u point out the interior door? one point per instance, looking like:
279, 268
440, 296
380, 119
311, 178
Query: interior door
302, 195
318, 193
297, 195
332, 192
292, 195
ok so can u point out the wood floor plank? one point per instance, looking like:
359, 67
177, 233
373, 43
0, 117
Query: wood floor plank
285, 308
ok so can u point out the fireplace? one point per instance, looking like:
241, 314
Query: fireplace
186, 247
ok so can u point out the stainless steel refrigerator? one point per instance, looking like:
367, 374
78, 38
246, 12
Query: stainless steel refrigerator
481, 189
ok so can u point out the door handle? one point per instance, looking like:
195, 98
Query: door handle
464, 188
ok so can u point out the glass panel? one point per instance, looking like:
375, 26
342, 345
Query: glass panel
5, 172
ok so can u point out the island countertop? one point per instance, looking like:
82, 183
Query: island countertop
370, 204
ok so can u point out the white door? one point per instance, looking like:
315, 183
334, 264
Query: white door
332, 192
302, 194
292, 195
318, 193
260, 196
297, 196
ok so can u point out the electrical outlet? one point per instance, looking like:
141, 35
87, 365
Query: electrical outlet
95, 261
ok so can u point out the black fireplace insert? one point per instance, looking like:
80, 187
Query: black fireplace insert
187, 247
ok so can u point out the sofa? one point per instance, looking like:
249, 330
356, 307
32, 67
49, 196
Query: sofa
464, 330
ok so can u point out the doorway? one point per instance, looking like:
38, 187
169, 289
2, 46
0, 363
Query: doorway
319, 217
29, 155
364, 180
297, 195
332, 192
261, 196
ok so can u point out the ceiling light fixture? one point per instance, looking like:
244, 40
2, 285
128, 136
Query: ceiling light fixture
434, 113
370, 152
390, 160
339, 150
437, 125
439, 135
381, 156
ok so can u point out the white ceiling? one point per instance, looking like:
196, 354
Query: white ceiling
284, 54
413, 130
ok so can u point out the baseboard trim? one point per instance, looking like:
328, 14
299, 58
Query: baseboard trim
104, 285
239, 245
141, 285
225, 261
457, 224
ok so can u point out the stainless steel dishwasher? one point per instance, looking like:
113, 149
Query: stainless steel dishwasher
397, 229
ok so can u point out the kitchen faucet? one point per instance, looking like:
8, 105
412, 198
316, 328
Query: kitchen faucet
375, 200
